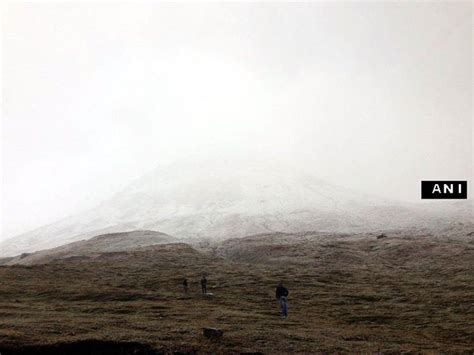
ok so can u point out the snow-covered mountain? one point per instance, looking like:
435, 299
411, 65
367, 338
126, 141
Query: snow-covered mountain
222, 199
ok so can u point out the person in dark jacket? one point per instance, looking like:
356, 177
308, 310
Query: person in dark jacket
185, 285
281, 296
204, 285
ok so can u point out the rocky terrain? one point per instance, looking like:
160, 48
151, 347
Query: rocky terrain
390, 292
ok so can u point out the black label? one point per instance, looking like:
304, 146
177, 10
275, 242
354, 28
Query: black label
444, 189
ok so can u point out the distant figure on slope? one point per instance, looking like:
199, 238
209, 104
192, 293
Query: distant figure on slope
281, 296
185, 285
204, 285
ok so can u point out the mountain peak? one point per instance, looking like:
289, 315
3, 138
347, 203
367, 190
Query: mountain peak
223, 198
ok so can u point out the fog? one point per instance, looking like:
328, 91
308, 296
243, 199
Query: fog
371, 96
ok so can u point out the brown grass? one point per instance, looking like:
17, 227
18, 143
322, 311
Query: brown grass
364, 295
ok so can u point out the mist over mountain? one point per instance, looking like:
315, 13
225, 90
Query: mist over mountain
222, 199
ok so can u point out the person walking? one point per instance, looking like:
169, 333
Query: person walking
281, 296
204, 285
185, 285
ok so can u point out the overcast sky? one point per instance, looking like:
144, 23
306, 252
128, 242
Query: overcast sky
375, 97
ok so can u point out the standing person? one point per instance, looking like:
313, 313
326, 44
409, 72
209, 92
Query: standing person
204, 284
185, 285
281, 296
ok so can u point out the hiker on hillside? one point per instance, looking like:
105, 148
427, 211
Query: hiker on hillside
185, 285
204, 285
281, 296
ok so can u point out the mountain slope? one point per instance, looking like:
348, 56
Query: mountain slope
107, 243
224, 199
403, 293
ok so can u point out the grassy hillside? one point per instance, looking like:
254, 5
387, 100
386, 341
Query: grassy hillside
105, 243
347, 294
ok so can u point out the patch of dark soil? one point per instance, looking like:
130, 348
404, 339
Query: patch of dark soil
370, 319
90, 347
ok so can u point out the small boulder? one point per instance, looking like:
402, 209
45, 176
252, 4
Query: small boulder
212, 333
381, 236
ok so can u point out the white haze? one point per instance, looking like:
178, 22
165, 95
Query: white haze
371, 96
